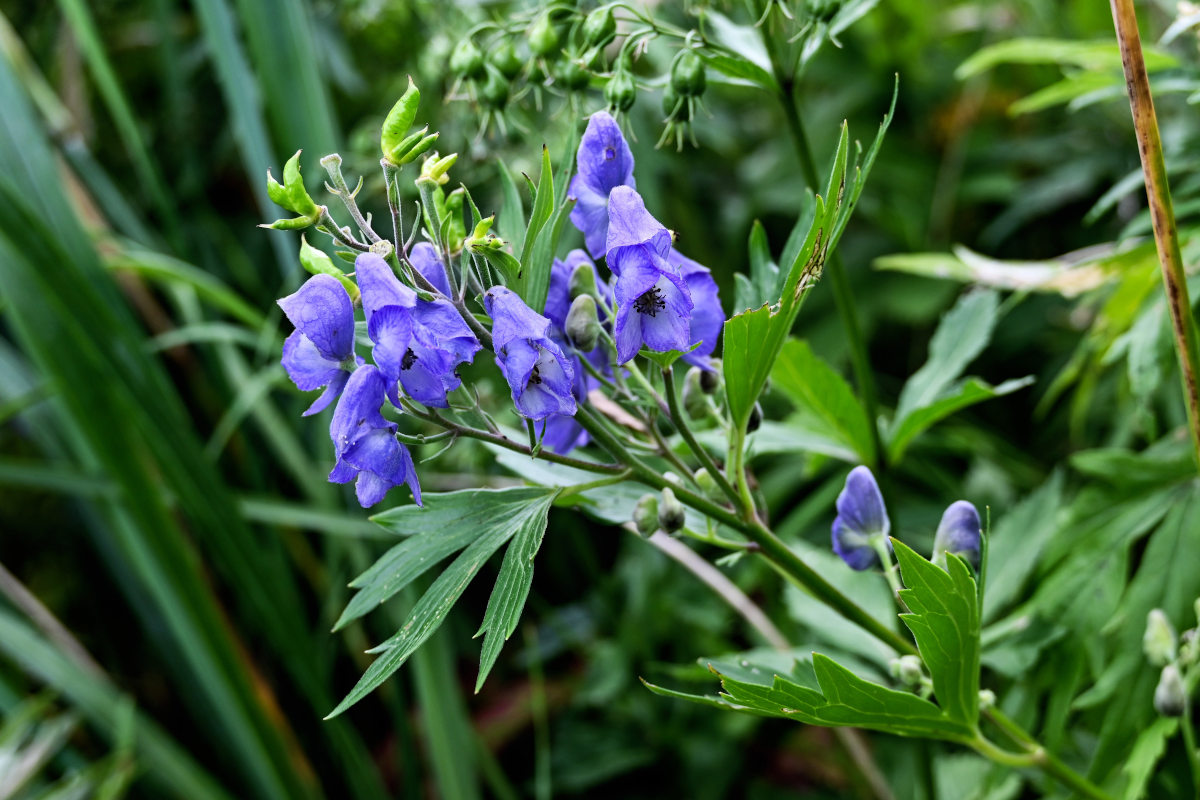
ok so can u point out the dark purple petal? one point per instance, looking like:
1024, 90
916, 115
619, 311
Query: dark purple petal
379, 285
657, 317
860, 505
438, 324
357, 413
511, 318
960, 533
424, 384
590, 216
424, 257
630, 224
708, 319
561, 434
321, 310
853, 548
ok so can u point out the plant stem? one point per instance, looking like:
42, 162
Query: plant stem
1162, 215
1041, 757
1189, 743
333, 165
685, 431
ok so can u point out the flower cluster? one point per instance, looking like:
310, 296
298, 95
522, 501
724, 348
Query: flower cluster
860, 530
417, 346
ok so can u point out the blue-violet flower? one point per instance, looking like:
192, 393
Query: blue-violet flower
959, 533
861, 520
539, 374
320, 352
365, 443
603, 162
708, 319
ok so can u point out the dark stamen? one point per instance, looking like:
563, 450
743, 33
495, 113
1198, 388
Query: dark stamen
409, 359
650, 303
535, 377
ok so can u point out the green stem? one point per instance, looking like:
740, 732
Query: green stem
1041, 757
1162, 215
333, 165
1193, 756
706, 459
737, 470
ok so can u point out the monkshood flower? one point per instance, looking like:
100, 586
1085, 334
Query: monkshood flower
539, 374
654, 304
320, 352
418, 343
365, 443
861, 521
603, 162
708, 318
959, 533
424, 257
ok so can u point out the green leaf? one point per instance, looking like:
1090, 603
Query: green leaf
815, 389
666, 358
1068, 89
508, 596
944, 619
741, 70
543, 206
967, 393
961, 336
1150, 747
492, 517
510, 222
1098, 55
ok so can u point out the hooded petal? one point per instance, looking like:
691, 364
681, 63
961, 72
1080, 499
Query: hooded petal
629, 223
321, 310
603, 162
511, 318
391, 329
438, 324
860, 505
379, 285
960, 533
590, 215
424, 257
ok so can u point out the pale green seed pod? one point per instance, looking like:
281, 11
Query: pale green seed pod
1170, 696
708, 485
671, 515
645, 515
1159, 642
583, 281
583, 327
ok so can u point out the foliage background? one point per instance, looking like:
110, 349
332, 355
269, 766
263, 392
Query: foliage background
161, 496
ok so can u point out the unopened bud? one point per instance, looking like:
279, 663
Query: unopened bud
620, 92
710, 380
1170, 697
1189, 647
583, 328
1158, 643
907, 670
645, 515
671, 515
481, 232
959, 533
708, 484
599, 27
292, 195
543, 37
695, 403
466, 60
583, 281
687, 74
394, 139
987, 699
435, 168
756, 418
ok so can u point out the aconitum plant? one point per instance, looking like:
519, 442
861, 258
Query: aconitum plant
591, 347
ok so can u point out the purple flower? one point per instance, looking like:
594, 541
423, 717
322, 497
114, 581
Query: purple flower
539, 374
417, 343
604, 161
365, 443
959, 533
861, 519
425, 258
708, 319
320, 352
654, 304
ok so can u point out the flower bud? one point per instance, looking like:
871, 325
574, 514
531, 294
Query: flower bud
435, 168
466, 60
645, 515
482, 232
687, 74
316, 262
394, 139
1189, 647
572, 75
959, 533
599, 27
756, 418
1170, 697
987, 699
907, 670
694, 401
583, 328
620, 92
1158, 643
710, 380
543, 37
583, 281
506, 60
292, 195
708, 485
452, 210
671, 515
495, 89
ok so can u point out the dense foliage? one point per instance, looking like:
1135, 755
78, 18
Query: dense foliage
639, 354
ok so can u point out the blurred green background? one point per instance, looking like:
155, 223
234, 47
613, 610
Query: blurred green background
174, 558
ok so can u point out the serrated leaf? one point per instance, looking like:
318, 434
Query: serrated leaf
818, 391
494, 517
961, 336
967, 393
509, 594
944, 620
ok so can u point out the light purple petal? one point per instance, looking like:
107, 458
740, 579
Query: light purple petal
379, 285
321, 310
860, 504
305, 364
511, 318
331, 393
960, 533
629, 223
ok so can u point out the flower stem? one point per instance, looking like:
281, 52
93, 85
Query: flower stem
676, 413
1040, 757
333, 165
1189, 743
1162, 215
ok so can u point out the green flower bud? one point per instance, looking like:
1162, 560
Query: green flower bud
672, 102
708, 485
1189, 647
987, 699
467, 60
543, 37
480, 234
316, 262
687, 74
620, 92
599, 27
292, 195
1170, 697
571, 74
506, 60
694, 401
1196, 608
495, 89
1158, 643
907, 670
583, 281
645, 515
394, 140
583, 328
435, 168
452, 210
671, 515
756, 418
